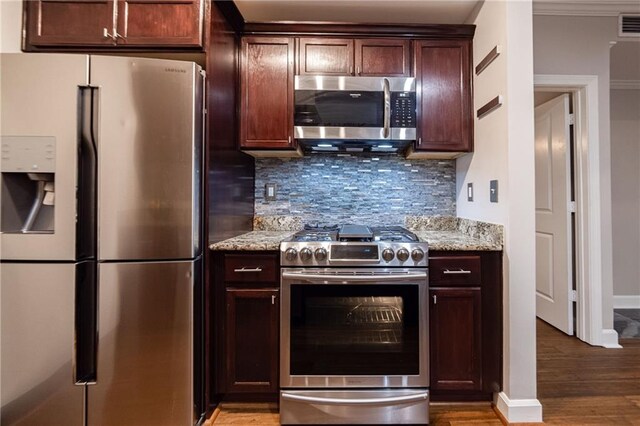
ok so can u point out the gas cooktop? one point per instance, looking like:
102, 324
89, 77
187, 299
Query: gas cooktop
349, 245
357, 233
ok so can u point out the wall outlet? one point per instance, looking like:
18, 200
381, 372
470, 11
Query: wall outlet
493, 191
470, 192
270, 190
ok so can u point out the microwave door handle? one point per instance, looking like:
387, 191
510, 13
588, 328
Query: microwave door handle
387, 108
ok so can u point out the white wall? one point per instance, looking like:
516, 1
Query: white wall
503, 150
10, 25
580, 46
625, 190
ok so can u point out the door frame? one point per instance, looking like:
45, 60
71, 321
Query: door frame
588, 253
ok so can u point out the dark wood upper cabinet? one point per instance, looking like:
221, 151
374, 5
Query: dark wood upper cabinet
455, 333
444, 100
70, 23
383, 57
325, 56
365, 57
266, 93
79, 24
161, 23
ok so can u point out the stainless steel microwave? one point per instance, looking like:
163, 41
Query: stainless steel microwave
355, 108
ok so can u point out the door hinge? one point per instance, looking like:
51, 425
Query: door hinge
572, 119
572, 206
573, 295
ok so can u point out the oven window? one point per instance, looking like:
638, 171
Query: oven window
339, 108
354, 330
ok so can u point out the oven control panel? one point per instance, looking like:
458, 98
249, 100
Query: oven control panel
354, 254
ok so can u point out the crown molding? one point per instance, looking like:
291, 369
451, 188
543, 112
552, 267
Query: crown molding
625, 84
585, 7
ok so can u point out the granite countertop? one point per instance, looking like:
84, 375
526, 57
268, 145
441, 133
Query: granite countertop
455, 241
255, 240
438, 240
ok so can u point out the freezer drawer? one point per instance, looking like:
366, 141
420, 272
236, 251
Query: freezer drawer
37, 320
145, 356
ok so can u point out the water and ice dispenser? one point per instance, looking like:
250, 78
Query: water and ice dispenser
27, 166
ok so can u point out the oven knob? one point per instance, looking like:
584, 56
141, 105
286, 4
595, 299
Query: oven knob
388, 254
403, 254
417, 255
291, 254
321, 254
305, 254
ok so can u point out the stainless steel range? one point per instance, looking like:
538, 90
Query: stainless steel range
354, 346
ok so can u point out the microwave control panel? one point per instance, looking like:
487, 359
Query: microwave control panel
403, 109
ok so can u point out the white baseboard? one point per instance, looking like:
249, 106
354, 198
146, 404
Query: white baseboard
519, 410
610, 339
626, 302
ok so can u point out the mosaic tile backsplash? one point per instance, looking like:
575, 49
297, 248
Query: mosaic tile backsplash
379, 190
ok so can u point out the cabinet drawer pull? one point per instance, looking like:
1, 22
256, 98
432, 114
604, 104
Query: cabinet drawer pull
244, 269
457, 272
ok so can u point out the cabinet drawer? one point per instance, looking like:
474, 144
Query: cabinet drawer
454, 271
248, 268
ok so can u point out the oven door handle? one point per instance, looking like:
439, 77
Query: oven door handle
355, 278
356, 401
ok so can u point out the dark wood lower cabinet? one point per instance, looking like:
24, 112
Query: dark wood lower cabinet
465, 330
456, 351
252, 340
244, 335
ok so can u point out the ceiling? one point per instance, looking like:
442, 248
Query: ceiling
412, 11
361, 11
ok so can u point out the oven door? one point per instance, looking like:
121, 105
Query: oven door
354, 328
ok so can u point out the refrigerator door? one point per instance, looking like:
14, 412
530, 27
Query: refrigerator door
145, 356
149, 158
37, 345
40, 105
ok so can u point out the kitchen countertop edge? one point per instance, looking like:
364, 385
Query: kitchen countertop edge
438, 240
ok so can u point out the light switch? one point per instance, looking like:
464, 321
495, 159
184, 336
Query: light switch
493, 191
470, 192
270, 191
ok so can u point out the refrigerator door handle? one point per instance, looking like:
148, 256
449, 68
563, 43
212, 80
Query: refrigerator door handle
87, 187
86, 325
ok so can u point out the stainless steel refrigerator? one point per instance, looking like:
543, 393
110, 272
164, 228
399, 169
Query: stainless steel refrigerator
101, 241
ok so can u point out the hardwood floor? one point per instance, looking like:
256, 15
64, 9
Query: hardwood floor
577, 385
581, 384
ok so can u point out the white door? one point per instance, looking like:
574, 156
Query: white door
553, 217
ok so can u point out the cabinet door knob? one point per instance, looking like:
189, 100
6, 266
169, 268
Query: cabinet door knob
273, 299
357, 70
435, 299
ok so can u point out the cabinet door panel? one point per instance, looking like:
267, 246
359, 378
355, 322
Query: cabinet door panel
266, 102
160, 23
455, 339
330, 56
383, 57
252, 340
442, 70
70, 23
